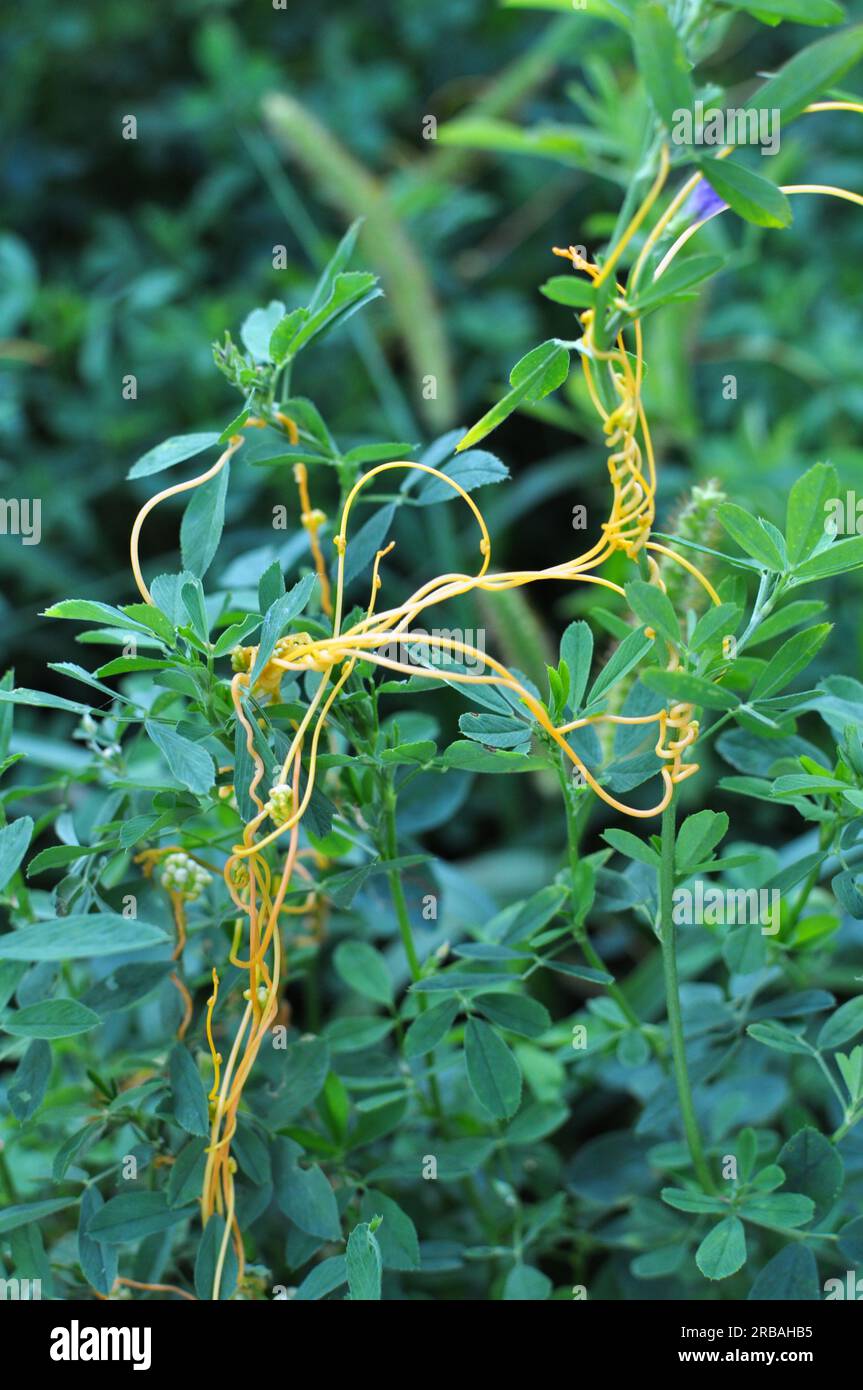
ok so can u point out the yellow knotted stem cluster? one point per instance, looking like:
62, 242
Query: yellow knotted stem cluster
256, 891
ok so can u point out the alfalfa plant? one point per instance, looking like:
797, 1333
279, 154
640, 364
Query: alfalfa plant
242, 791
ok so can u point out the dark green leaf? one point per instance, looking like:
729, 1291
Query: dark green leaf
492, 1070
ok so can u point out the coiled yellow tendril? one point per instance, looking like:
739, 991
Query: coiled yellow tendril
632, 472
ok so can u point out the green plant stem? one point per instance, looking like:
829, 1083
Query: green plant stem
575, 820
6, 1174
672, 1001
825, 840
397, 892
847, 1125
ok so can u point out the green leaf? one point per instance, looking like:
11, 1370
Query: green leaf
579, 972
194, 606
812, 1166
688, 1200
790, 1277
809, 74
206, 1261
91, 611
778, 1037
778, 1209
494, 730
191, 764
851, 1241
351, 290
492, 1071
125, 986
52, 1018
800, 611
800, 11
695, 690
575, 293
538, 373
57, 856
697, 837
38, 699
792, 658
430, 1028
330, 1274
396, 1235
842, 1026
14, 840
271, 586
576, 649
98, 1261
79, 936
718, 621
277, 617
723, 1250
489, 951
470, 470
662, 62
26, 1091
678, 282
365, 970
619, 664
337, 262
74, 1148
851, 1067
421, 752
804, 514
744, 951
750, 195
838, 558
258, 328
174, 450
522, 920
383, 453
284, 333
364, 1264
369, 539
189, 1098
630, 845
354, 1034
13, 1217
751, 536
307, 1199
516, 1013
187, 1173
569, 144
134, 1215
653, 608
342, 888
524, 1284
202, 524
470, 757
536, 1122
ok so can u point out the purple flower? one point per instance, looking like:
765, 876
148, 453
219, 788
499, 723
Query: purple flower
703, 202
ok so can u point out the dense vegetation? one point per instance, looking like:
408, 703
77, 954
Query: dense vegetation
431, 872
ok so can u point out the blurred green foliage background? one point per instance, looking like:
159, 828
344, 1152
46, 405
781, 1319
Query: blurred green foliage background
260, 128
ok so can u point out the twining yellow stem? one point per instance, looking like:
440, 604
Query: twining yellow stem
234, 444
248, 877
216, 1056
156, 1288
312, 520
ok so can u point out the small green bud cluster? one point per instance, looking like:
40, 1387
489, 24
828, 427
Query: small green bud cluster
281, 802
180, 874
240, 875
